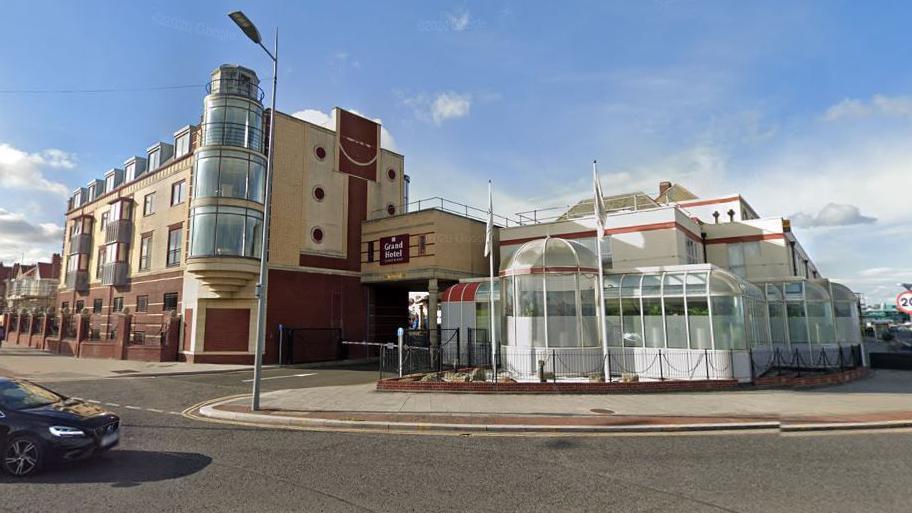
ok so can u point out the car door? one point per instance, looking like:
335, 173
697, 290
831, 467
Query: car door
4, 424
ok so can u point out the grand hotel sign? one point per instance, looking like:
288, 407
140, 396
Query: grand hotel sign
394, 250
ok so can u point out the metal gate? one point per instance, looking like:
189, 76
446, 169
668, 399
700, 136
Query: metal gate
307, 345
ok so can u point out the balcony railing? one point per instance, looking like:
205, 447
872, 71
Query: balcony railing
119, 231
236, 87
77, 280
81, 244
233, 134
115, 273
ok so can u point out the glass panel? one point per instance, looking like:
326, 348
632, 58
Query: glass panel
630, 285
698, 321
612, 284
722, 283
632, 327
229, 234
675, 322
233, 178
613, 322
562, 321
257, 187
206, 176
772, 292
253, 238
589, 317
696, 284
797, 322
559, 253
652, 317
815, 292
794, 290
652, 285
508, 318
530, 310
820, 322
777, 323
674, 285
728, 322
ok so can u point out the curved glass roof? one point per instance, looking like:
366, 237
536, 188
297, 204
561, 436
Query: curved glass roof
550, 253
678, 283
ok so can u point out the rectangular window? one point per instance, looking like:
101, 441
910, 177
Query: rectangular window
170, 302
99, 266
178, 192
154, 160
149, 204
65, 305
109, 183
182, 144
370, 251
422, 244
139, 337
118, 304
97, 306
104, 221
736, 259
145, 252
80, 305
174, 243
142, 303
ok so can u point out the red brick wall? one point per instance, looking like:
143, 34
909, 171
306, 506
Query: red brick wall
227, 329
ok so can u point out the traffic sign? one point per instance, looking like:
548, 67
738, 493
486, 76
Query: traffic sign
904, 302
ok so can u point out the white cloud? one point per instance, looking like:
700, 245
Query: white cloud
22, 170
458, 20
318, 117
19, 236
440, 107
878, 105
833, 214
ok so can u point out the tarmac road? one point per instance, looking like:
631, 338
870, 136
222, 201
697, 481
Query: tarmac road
167, 462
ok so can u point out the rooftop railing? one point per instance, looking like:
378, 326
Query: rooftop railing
444, 205
236, 87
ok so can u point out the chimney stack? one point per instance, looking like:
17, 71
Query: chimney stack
664, 186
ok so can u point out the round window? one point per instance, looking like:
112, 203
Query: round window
320, 152
391, 209
317, 235
319, 193
391, 173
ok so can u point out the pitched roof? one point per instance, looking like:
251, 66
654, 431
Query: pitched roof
634, 201
675, 193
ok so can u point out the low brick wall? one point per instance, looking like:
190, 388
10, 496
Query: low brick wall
480, 387
811, 380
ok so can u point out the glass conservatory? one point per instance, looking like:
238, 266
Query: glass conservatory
549, 305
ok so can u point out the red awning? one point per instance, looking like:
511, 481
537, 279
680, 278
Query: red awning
460, 292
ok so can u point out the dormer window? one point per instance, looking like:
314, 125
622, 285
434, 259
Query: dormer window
109, 183
154, 159
130, 169
182, 143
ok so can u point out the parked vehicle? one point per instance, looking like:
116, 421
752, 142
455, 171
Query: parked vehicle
39, 427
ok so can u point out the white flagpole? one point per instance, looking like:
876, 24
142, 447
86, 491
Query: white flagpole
600, 227
489, 246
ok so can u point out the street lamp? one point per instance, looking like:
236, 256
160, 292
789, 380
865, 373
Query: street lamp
251, 32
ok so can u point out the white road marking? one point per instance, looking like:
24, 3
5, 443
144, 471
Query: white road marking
132, 407
93, 401
153, 409
281, 377
113, 404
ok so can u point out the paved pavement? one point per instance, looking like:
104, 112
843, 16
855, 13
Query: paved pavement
168, 462
43, 366
171, 463
883, 397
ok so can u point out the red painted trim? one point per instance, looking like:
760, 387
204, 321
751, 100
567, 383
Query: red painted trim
746, 238
715, 201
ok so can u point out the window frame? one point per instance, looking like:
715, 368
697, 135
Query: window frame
173, 254
145, 252
165, 301
181, 187
142, 307
149, 204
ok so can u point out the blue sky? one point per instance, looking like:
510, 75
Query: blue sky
805, 109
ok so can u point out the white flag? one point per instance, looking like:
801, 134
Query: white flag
598, 201
489, 229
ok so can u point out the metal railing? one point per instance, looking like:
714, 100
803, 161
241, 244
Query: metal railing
445, 205
236, 87
221, 133
804, 359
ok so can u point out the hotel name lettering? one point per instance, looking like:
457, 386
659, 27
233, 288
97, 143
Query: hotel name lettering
394, 250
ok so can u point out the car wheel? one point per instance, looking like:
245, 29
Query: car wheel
22, 456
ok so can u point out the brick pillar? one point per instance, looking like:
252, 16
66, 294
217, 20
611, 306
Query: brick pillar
31, 329
82, 332
123, 322
170, 338
45, 326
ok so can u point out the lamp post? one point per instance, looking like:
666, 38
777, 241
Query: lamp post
251, 32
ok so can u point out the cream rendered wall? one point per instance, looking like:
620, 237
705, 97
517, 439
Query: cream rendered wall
164, 215
770, 261
385, 191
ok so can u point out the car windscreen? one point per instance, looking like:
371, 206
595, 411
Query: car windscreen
20, 395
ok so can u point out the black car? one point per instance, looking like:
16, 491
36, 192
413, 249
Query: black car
39, 427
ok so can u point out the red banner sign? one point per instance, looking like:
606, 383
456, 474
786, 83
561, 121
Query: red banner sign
394, 250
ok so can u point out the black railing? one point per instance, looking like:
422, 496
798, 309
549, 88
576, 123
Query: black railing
805, 359
307, 345
237, 87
